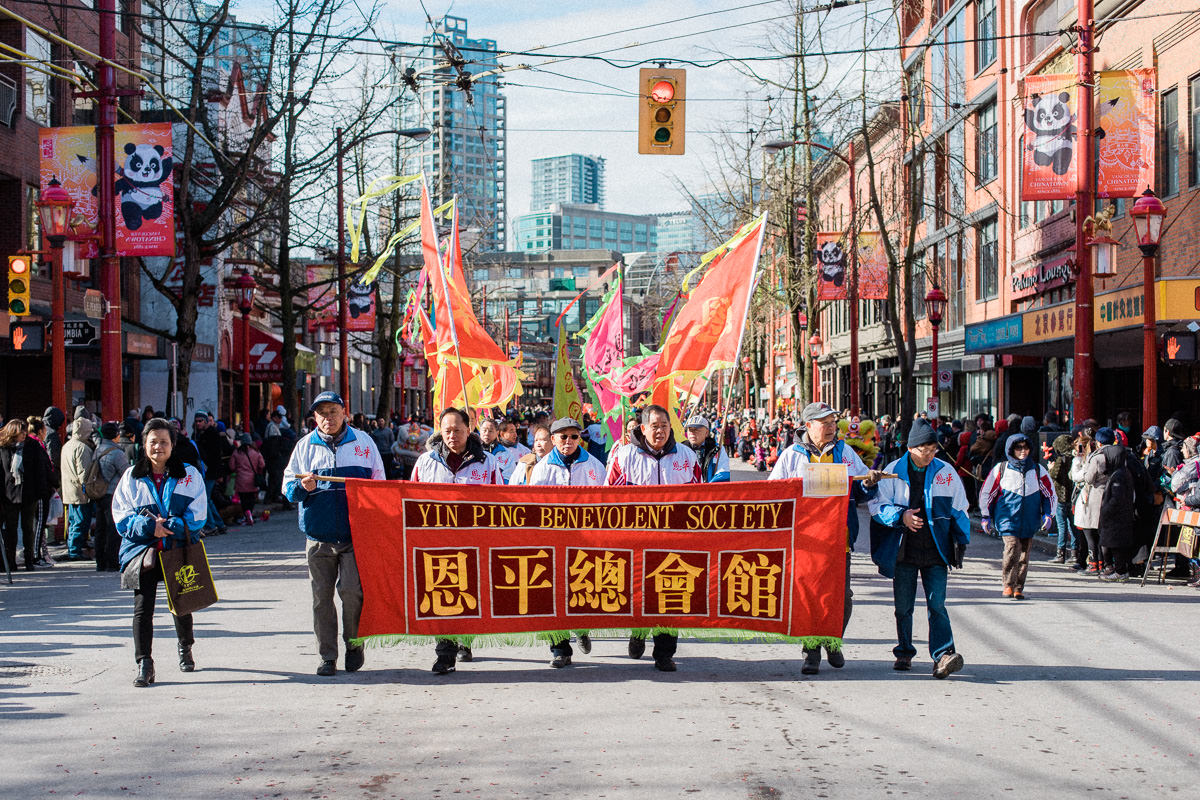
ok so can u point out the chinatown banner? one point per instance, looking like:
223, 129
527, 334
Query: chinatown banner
872, 267
1049, 140
833, 269
1125, 112
144, 197
517, 564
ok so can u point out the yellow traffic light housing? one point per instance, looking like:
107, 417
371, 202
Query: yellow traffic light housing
661, 102
19, 269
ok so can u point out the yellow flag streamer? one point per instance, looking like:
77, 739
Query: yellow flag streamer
388, 185
370, 275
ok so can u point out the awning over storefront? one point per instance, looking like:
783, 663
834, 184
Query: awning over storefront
266, 353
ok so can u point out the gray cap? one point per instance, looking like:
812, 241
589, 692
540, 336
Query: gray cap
697, 422
815, 411
564, 423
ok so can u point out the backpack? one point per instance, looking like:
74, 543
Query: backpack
95, 485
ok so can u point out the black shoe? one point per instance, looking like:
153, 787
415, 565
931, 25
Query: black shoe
637, 647
145, 675
327, 669
1061, 556
186, 663
443, 667
836, 658
903, 663
664, 664
464, 653
354, 659
561, 661
585, 643
812, 662
949, 662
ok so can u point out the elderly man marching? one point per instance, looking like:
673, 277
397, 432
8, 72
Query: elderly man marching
334, 449
714, 461
654, 458
567, 464
924, 531
819, 445
455, 455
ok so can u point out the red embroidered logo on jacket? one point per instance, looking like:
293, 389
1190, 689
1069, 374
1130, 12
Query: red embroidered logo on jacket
591, 474
362, 452
679, 466
187, 480
943, 479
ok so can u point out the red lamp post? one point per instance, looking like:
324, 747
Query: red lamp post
935, 308
814, 346
54, 207
243, 289
746, 370
1148, 214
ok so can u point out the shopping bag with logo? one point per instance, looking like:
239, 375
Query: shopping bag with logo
188, 579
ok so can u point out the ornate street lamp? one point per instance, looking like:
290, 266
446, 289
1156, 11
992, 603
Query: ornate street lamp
814, 348
935, 309
54, 208
243, 293
1148, 214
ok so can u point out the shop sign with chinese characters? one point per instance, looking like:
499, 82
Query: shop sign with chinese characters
448, 560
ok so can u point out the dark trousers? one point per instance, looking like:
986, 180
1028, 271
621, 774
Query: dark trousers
143, 615
446, 649
665, 645
1092, 535
904, 592
22, 517
108, 541
1117, 558
332, 567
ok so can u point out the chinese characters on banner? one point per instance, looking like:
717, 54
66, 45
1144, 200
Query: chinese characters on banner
448, 560
1050, 138
872, 267
1125, 112
144, 197
833, 265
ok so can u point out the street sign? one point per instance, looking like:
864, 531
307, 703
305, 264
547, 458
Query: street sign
28, 337
80, 333
93, 304
931, 408
945, 380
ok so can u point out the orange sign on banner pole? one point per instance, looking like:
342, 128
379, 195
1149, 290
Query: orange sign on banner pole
510, 564
1125, 112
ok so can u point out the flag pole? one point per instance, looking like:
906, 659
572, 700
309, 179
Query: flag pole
450, 311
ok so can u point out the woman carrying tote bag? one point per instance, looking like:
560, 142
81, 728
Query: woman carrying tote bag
159, 504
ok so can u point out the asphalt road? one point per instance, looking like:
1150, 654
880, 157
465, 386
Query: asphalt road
1084, 690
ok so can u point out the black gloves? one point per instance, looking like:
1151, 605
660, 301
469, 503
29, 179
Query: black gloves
959, 550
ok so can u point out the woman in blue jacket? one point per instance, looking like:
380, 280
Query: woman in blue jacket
1017, 501
159, 503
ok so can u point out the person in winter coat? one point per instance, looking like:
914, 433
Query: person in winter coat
159, 504
714, 461
53, 417
1064, 490
76, 458
1087, 507
921, 528
1172, 445
541, 448
1018, 501
248, 467
567, 464
1029, 427
17, 508
39, 484
654, 458
113, 464
962, 463
455, 455
334, 449
1004, 429
819, 444
1108, 471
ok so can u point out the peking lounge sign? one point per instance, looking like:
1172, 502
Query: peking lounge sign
1044, 277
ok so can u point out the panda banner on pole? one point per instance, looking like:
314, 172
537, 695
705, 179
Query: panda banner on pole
832, 265
1049, 163
144, 195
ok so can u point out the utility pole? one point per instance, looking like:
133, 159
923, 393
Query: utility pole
1083, 384
111, 385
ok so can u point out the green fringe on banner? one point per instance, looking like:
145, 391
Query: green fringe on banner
534, 639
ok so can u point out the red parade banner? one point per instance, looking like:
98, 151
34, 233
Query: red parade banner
746, 560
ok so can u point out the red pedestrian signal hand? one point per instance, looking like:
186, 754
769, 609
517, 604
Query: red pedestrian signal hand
18, 338
1172, 348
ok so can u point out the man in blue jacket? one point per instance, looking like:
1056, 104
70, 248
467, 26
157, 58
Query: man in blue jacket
920, 527
334, 449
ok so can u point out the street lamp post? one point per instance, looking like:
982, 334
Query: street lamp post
54, 207
852, 283
746, 370
1148, 214
244, 288
814, 345
935, 308
416, 134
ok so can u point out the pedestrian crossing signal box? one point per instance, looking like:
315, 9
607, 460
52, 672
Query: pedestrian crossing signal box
28, 337
661, 99
19, 268
1179, 347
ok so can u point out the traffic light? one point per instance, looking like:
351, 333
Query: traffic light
18, 286
660, 112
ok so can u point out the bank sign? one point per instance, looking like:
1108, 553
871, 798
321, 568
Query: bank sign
1042, 278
